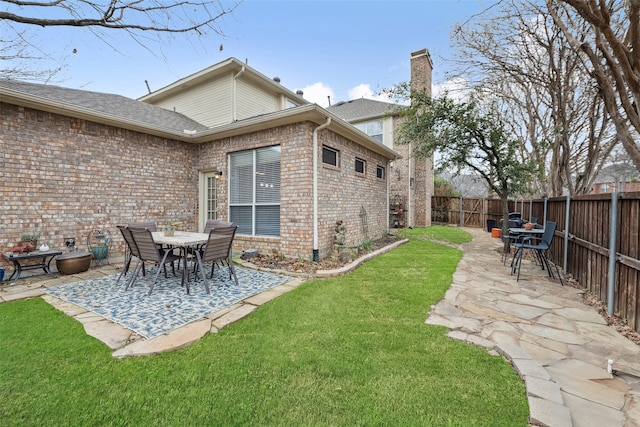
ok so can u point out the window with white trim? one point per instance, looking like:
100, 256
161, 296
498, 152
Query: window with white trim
254, 191
380, 172
361, 166
330, 156
373, 128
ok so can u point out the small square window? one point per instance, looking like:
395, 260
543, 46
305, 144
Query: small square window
330, 156
380, 172
361, 166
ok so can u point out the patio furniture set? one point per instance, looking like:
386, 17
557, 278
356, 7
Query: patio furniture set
536, 239
148, 245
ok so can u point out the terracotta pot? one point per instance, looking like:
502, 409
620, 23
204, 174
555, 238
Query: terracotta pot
528, 226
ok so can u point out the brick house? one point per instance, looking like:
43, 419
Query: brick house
226, 142
411, 183
619, 177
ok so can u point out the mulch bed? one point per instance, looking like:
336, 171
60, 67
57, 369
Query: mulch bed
305, 266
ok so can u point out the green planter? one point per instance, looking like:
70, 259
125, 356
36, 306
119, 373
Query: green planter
100, 252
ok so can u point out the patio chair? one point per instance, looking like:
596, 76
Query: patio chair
510, 239
540, 247
150, 225
212, 223
208, 226
218, 249
132, 251
148, 251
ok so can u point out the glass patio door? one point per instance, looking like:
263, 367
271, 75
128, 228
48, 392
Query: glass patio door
208, 198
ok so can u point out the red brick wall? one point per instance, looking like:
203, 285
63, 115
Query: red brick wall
345, 194
341, 192
65, 177
295, 187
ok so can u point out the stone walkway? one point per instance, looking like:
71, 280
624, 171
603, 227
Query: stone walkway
559, 345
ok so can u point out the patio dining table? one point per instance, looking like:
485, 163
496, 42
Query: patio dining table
183, 240
522, 232
519, 233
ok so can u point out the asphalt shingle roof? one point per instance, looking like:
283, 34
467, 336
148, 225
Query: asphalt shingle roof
106, 103
362, 108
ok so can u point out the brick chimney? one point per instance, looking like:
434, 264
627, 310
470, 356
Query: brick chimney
420, 169
421, 70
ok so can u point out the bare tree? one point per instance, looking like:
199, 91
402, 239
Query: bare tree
17, 56
522, 59
611, 45
136, 17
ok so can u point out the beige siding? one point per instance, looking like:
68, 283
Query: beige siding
253, 101
208, 103
387, 132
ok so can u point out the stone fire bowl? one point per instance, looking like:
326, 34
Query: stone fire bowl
73, 262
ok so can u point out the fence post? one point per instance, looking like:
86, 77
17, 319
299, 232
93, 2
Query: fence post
461, 213
566, 236
544, 220
612, 254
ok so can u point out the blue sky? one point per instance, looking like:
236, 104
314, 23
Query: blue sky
345, 49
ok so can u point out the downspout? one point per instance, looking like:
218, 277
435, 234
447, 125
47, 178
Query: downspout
388, 194
316, 253
234, 112
411, 213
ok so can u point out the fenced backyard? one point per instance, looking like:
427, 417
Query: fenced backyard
588, 226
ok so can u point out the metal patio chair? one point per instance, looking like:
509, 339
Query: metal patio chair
132, 251
212, 223
149, 225
540, 247
148, 251
218, 249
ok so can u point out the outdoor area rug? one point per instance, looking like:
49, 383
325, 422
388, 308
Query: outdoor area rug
169, 306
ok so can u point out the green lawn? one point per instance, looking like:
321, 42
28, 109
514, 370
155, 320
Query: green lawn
347, 351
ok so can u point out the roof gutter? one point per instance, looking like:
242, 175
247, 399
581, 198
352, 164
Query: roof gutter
316, 252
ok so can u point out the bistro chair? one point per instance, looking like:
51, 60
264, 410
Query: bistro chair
148, 251
218, 249
540, 246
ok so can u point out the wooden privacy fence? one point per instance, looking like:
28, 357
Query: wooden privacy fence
588, 226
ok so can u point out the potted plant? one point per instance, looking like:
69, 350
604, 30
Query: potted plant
30, 241
170, 229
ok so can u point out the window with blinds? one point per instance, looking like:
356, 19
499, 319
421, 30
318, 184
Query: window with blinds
254, 191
